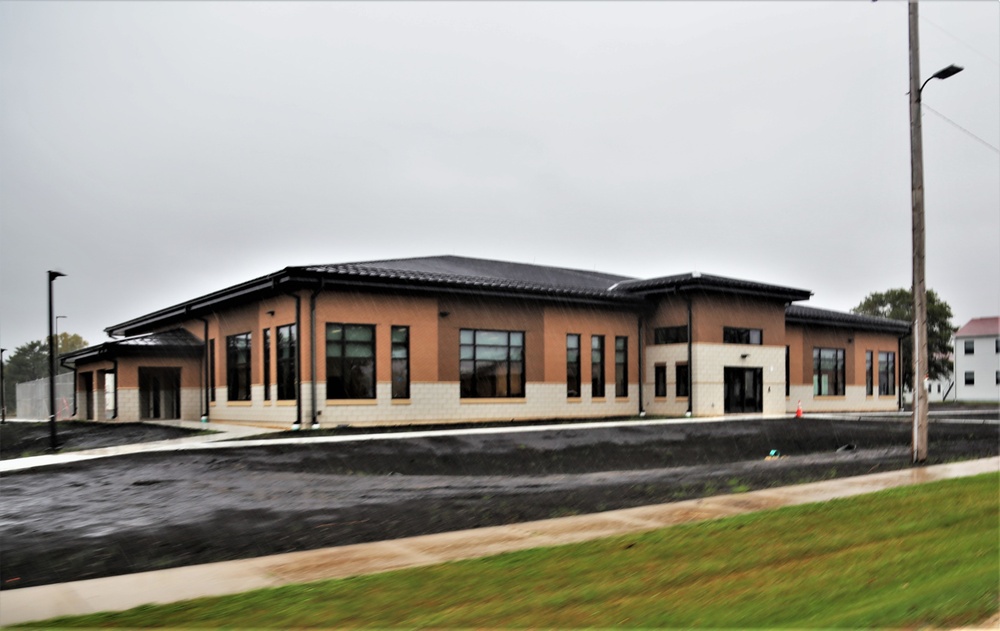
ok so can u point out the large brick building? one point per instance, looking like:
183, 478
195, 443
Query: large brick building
460, 339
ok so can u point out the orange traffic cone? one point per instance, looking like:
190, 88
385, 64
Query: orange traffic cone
798, 410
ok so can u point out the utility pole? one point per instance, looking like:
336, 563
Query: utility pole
919, 287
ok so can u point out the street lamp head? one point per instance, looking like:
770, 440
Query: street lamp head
950, 71
54, 275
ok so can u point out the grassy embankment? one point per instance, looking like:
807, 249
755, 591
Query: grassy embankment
909, 557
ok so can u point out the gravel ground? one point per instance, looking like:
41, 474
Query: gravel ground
156, 510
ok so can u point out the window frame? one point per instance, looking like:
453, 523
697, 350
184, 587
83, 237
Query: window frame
621, 366
475, 352
400, 372
742, 335
286, 362
970, 347
970, 377
682, 380
886, 369
574, 368
239, 374
670, 334
598, 385
839, 388
660, 381
869, 373
371, 385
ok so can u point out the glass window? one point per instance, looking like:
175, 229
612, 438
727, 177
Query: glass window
869, 374
970, 347
287, 360
267, 364
682, 387
211, 370
400, 362
886, 373
660, 379
970, 378
491, 363
350, 361
572, 365
670, 335
597, 365
731, 335
238, 367
621, 366
828, 372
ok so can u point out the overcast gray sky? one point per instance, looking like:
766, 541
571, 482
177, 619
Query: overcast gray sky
156, 151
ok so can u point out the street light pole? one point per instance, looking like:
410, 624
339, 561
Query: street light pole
53, 442
919, 287
3, 388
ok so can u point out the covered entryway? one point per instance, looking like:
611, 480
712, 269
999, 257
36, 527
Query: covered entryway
744, 389
159, 393
87, 386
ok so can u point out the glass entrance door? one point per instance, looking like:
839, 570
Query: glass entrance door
744, 389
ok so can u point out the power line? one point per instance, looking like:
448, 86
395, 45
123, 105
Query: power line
960, 41
959, 127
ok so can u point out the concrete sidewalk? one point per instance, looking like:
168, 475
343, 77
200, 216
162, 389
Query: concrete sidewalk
123, 592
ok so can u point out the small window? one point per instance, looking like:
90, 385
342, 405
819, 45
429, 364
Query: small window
788, 371
266, 338
731, 335
572, 365
350, 361
998, 380
869, 374
400, 362
287, 358
683, 375
597, 365
886, 373
670, 335
491, 364
828, 372
238, 367
970, 378
660, 371
621, 366
996, 345
970, 347
211, 370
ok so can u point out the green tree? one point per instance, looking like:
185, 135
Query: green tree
898, 305
31, 361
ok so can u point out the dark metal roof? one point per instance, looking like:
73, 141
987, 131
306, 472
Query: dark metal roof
708, 282
824, 317
172, 343
484, 274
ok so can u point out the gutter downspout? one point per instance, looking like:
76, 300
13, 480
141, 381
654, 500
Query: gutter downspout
687, 299
312, 352
642, 408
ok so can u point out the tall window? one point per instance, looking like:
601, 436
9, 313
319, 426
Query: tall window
660, 379
621, 366
732, 335
400, 362
869, 369
238, 367
287, 343
572, 365
886, 373
788, 371
828, 372
211, 370
267, 364
597, 365
970, 347
670, 335
491, 363
970, 378
350, 361
682, 374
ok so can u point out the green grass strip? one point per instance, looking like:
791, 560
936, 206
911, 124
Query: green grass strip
907, 557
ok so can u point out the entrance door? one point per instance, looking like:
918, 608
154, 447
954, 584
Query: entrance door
744, 389
159, 393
